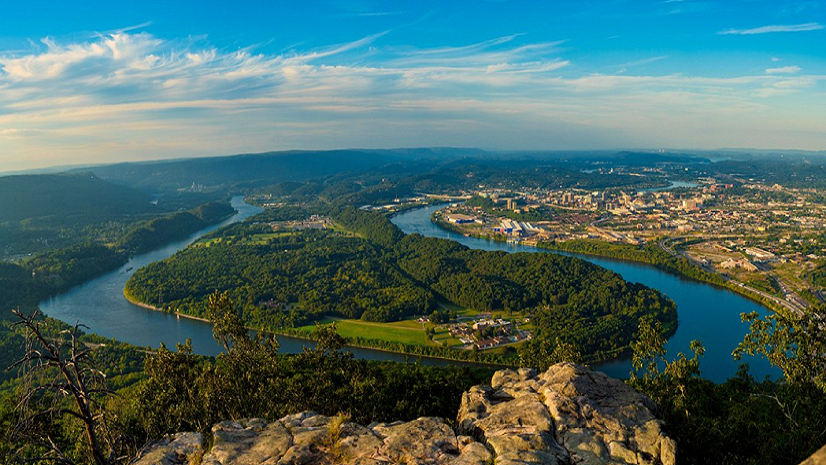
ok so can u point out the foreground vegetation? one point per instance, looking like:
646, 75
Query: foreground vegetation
178, 390
742, 421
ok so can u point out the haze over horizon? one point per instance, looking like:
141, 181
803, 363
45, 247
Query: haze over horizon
100, 83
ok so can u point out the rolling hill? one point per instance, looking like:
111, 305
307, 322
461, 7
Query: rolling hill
259, 169
79, 196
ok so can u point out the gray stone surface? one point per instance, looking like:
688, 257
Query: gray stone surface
175, 449
567, 415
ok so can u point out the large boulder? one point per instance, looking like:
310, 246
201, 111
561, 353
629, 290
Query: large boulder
310, 439
174, 449
569, 414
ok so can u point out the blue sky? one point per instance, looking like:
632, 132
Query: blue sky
90, 81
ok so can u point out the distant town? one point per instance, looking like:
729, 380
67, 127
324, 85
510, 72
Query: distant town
766, 238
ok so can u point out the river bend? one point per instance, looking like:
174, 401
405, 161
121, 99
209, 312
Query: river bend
705, 312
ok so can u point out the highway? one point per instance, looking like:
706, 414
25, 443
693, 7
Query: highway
792, 302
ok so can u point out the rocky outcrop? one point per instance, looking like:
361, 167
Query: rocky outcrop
567, 415
176, 449
308, 438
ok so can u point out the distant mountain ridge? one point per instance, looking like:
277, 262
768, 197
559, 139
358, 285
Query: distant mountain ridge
252, 169
80, 195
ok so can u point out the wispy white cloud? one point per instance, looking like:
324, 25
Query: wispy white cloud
129, 94
783, 70
129, 28
624, 67
775, 28
785, 86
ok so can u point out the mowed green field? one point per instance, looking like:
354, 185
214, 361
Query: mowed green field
406, 332
444, 339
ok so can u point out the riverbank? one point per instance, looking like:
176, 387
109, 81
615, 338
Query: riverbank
359, 343
176, 313
707, 313
701, 276
633, 254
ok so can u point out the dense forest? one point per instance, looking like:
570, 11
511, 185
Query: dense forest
649, 253
162, 230
379, 274
312, 274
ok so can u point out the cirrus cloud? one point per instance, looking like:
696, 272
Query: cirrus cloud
783, 70
774, 28
124, 96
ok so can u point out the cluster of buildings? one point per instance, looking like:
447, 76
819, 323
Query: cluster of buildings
635, 217
459, 218
488, 333
516, 228
313, 222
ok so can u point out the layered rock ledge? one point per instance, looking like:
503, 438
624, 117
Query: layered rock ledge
568, 415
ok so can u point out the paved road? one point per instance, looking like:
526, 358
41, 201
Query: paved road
792, 305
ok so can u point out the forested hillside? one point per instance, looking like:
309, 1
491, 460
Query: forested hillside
51, 198
287, 279
48, 212
249, 169
30, 280
158, 231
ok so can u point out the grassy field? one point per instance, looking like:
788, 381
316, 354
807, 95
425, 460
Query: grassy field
407, 331
443, 338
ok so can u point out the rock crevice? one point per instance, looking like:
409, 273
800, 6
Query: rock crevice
568, 415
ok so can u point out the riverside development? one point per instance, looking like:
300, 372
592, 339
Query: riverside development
766, 240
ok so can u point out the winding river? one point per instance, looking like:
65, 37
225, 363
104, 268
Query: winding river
705, 312
100, 305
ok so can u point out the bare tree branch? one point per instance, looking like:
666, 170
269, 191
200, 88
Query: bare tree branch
59, 368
